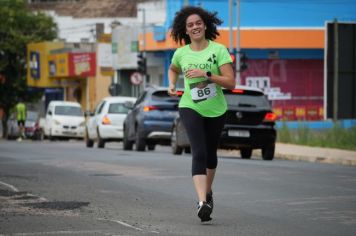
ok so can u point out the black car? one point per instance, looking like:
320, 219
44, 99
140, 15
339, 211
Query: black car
250, 124
150, 120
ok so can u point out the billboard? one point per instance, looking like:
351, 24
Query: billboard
82, 64
294, 86
35, 68
340, 76
124, 47
58, 65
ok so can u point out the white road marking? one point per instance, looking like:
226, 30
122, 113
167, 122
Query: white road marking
13, 188
127, 225
59, 232
121, 223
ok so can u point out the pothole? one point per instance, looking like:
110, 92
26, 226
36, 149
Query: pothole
10, 193
57, 205
105, 175
26, 197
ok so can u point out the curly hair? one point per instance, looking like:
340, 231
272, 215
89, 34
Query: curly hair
210, 19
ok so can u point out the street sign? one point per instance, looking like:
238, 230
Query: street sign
136, 78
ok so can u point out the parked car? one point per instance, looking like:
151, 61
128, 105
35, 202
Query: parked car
151, 119
64, 120
106, 123
250, 124
32, 127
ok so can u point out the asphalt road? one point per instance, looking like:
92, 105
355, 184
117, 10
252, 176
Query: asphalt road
63, 188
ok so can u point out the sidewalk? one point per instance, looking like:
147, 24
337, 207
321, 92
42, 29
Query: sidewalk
315, 154
305, 153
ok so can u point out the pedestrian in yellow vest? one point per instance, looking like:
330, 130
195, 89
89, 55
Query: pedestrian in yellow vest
21, 118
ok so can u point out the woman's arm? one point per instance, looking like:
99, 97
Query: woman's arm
173, 73
226, 79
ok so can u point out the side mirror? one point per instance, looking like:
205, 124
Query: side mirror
129, 105
50, 113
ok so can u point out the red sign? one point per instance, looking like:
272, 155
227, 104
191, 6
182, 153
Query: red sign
299, 84
82, 64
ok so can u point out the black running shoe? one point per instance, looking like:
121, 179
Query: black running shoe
204, 212
210, 200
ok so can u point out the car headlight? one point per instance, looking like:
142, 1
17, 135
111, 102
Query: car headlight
82, 123
56, 122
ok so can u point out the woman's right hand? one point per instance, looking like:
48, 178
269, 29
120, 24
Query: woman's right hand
172, 90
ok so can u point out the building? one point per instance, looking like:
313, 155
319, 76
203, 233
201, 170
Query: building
76, 67
284, 42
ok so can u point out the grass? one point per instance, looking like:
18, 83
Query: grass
336, 137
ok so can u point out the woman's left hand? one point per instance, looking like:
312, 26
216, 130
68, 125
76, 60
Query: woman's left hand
194, 73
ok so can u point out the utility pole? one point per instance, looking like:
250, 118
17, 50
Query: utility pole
336, 70
230, 26
238, 54
144, 45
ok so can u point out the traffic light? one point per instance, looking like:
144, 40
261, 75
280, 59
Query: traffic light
114, 89
141, 63
243, 62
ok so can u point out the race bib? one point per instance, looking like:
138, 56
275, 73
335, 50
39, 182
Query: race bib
202, 90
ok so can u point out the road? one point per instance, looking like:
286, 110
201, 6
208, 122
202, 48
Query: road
64, 188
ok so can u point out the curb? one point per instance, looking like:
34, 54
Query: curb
295, 157
316, 159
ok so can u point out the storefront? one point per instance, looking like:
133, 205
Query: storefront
71, 75
284, 44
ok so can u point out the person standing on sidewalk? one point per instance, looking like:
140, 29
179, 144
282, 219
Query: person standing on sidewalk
21, 118
206, 68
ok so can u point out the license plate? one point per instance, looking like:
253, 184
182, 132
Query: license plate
68, 133
239, 133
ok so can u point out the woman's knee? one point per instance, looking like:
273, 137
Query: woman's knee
212, 163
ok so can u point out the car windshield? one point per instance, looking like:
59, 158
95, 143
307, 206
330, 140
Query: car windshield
68, 111
118, 108
163, 96
244, 100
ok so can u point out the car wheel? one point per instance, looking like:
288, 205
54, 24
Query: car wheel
151, 146
88, 142
246, 153
140, 142
187, 150
101, 142
50, 136
268, 153
176, 150
126, 142
39, 135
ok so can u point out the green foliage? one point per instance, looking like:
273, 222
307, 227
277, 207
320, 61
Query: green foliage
336, 137
284, 135
303, 134
19, 26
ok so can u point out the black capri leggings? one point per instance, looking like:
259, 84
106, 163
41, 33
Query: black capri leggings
204, 134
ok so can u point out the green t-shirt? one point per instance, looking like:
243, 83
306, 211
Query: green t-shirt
21, 111
201, 95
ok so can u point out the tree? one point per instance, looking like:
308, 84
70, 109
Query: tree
19, 26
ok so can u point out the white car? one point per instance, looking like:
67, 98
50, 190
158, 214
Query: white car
64, 119
106, 123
